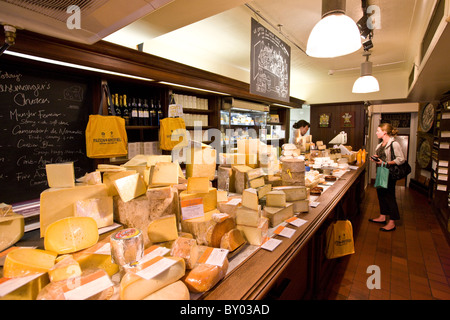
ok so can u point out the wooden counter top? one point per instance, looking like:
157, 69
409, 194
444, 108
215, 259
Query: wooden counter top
252, 279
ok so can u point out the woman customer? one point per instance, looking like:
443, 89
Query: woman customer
383, 155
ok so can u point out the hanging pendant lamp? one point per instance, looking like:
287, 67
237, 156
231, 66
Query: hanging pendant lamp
335, 34
366, 83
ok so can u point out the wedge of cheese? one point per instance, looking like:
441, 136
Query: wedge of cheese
173, 291
198, 227
248, 217
293, 193
164, 174
11, 230
209, 198
250, 199
163, 229
276, 215
218, 230
71, 234
276, 198
130, 187
110, 177
187, 249
232, 240
58, 203
201, 162
64, 269
256, 235
26, 261
301, 205
100, 209
134, 287
256, 183
198, 185
60, 175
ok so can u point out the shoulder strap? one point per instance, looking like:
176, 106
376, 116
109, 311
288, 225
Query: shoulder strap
105, 91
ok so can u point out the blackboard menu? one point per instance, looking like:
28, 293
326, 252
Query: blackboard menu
270, 64
43, 117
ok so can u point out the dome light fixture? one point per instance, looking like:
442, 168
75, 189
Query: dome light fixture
366, 83
336, 34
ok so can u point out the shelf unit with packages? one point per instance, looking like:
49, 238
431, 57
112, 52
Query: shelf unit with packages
440, 164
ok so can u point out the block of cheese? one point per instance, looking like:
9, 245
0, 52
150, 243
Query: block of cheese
66, 267
28, 291
100, 209
174, 291
276, 215
60, 175
204, 276
89, 260
130, 187
240, 177
198, 185
262, 191
293, 193
274, 180
250, 199
134, 287
232, 240
163, 229
216, 231
201, 162
164, 174
301, 205
222, 196
71, 234
11, 230
248, 217
230, 207
293, 165
254, 173
293, 178
209, 198
138, 212
187, 249
198, 227
225, 178
58, 203
256, 183
256, 235
276, 198
94, 177
110, 177
26, 261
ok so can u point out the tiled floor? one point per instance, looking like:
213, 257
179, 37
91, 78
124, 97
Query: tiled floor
413, 260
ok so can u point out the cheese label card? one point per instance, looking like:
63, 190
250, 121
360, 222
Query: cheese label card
151, 268
284, 232
271, 244
296, 221
152, 252
192, 208
214, 256
234, 201
314, 204
85, 287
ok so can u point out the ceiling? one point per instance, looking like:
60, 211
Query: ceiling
214, 35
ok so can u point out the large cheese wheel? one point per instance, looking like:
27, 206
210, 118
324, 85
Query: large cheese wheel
71, 234
173, 291
218, 230
26, 261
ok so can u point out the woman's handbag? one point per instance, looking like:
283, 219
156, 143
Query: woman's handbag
339, 239
399, 172
106, 136
382, 178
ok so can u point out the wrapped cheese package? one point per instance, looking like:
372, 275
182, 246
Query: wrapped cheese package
127, 246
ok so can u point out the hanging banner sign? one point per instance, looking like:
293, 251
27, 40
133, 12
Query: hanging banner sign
270, 64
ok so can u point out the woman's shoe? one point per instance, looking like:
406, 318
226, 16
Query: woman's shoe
382, 222
387, 230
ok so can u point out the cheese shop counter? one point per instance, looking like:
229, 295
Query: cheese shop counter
136, 232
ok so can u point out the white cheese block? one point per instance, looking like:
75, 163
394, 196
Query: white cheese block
134, 287
256, 235
60, 175
276, 198
100, 209
250, 199
276, 215
110, 177
248, 217
173, 291
293, 193
130, 187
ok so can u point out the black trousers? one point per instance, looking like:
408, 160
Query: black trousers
387, 201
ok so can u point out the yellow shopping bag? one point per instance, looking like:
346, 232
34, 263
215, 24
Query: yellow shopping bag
339, 239
172, 133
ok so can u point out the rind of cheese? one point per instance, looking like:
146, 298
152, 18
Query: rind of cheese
163, 229
134, 287
218, 230
130, 187
71, 234
174, 291
26, 261
60, 175
57, 203
232, 240
209, 198
100, 209
204, 277
11, 230
187, 249
64, 269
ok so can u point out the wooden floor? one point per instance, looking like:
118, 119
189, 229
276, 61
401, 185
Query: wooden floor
414, 260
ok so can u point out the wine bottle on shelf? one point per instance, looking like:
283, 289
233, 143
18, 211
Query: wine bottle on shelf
146, 113
140, 113
152, 113
116, 105
108, 103
159, 113
125, 110
134, 113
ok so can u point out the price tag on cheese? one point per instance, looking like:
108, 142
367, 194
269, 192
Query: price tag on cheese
271, 244
151, 268
296, 221
152, 252
192, 208
81, 288
284, 232
214, 256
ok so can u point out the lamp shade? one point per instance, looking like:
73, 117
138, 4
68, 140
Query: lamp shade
366, 83
333, 36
